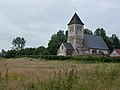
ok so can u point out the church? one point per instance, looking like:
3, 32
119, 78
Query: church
79, 43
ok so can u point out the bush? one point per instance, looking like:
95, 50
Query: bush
85, 58
10, 54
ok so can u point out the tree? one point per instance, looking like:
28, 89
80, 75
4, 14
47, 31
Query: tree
56, 41
18, 43
112, 42
100, 32
115, 41
27, 51
3, 53
41, 51
10, 53
88, 31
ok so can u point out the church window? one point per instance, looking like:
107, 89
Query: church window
71, 28
94, 51
62, 47
79, 28
99, 51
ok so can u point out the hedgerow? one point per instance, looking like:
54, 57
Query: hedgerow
86, 58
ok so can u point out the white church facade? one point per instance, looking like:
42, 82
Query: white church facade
79, 43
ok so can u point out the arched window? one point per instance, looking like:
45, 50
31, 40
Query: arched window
99, 51
94, 51
71, 28
62, 47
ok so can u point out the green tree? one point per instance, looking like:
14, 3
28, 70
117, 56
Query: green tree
108, 43
88, 31
112, 42
18, 43
3, 53
115, 41
26, 51
56, 41
10, 53
100, 32
41, 51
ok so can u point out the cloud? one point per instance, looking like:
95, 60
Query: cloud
37, 20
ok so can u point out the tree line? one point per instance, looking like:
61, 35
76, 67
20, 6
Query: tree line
18, 43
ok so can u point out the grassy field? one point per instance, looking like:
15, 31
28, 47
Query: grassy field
36, 74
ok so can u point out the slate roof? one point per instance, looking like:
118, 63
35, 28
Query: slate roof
75, 20
68, 46
95, 42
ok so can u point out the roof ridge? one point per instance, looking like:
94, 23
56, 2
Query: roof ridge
93, 35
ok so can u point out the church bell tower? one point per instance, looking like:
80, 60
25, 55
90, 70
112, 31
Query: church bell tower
76, 33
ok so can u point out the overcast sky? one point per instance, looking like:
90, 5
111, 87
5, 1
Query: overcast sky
37, 20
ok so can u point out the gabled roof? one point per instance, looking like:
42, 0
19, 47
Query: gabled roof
68, 46
75, 20
95, 42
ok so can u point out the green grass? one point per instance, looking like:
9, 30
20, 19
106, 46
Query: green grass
36, 74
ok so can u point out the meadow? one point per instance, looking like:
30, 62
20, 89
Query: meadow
38, 74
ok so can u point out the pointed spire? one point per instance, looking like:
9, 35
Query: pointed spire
75, 20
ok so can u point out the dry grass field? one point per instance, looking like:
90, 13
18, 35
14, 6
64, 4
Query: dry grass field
36, 74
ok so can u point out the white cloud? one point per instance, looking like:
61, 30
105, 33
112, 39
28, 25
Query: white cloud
37, 20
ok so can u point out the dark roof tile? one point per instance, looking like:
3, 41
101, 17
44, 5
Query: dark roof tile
68, 46
75, 20
96, 42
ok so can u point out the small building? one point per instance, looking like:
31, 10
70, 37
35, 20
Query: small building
65, 49
115, 53
79, 43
